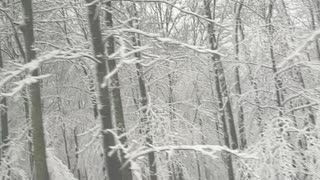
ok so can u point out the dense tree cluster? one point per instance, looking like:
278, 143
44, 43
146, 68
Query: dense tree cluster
159, 89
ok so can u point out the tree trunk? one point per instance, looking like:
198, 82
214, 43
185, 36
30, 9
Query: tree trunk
112, 163
226, 115
3, 114
4, 119
78, 173
64, 135
144, 100
24, 93
313, 27
115, 91
238, 29
278, 83
38, 137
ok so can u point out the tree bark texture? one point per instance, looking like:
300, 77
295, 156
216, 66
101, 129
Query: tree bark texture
113, 162
38, 137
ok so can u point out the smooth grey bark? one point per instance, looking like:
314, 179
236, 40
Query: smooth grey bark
4, 123
221, 77
116, 92
115, 82
226, 115
238, 30
3, 117
144, 100
113, 162
38, 139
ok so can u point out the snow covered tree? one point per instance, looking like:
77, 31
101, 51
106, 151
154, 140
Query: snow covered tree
38, 136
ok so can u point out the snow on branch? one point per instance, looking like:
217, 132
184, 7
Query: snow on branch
157, 37
209, 150
95, 137
290, 59
123, 59
28, 68
122, 55
20, 84
182, 9
133, 152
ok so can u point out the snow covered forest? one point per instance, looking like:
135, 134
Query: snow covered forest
159, 89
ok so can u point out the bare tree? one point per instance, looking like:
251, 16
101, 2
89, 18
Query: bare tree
38, 138
144, 99
115, 90
4, 118
238, 34
113, 162
224, 101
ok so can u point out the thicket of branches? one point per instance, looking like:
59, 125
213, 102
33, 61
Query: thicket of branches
159, 89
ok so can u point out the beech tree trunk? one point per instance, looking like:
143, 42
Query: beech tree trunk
113, 162
226, 115
24, 93
38, 138
115, 91
4, 118
3, 113
238, 30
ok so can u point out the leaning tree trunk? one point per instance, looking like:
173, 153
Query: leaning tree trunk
238, 30
112, 163
226, 114
39, 146
115, 91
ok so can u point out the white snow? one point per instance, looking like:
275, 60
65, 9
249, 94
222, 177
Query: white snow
57, 170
